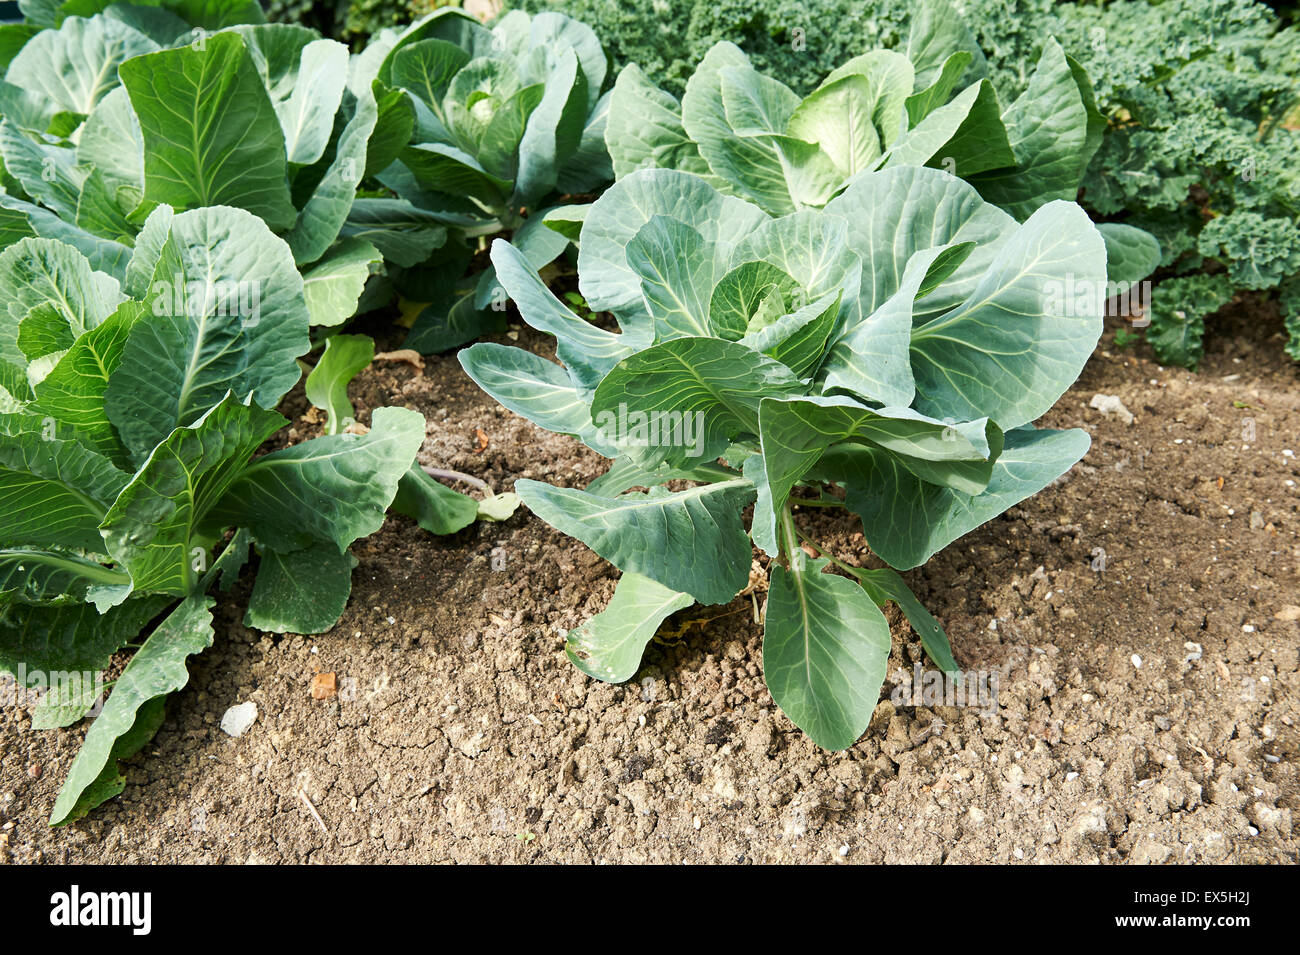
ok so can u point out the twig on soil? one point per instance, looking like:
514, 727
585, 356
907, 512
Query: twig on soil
306, 801
443, 474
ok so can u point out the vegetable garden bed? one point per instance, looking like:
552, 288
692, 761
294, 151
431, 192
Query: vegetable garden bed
566, 454
472, 738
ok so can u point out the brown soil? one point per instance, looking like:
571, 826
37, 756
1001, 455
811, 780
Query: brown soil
464, 734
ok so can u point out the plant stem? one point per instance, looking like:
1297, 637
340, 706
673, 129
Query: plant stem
789, 544
816, 502
445, 475
825, 553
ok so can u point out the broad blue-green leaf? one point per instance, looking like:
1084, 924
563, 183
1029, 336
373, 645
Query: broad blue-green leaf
50, 295
47, 171
449, 24
111, 142
149, 245
443, 168
825, 649
331, 489
394, 124
304, 591
536, 389
690, 541
499, 148
324, 214
857, 112
156, 526
554, 30
327, 384
871, 359
566, 220
76, 65
404, 233
894, 213
676, 271
226, 313
739, 294
1013, 347
155, 671
798, 340
276, 50
307, 114
964, 137
210, 130
53, 492
332, 287
104, 255
645, 129
588, 352
426, 67
935, 33
434, 506
795, 432
811, 248
727, 108
554, 128
32, 575
695, 395
71, 637
589, 169
73, 391
907, 520
926, 100
605, 278
1131, 254
884, 585
609, 645
1048, 126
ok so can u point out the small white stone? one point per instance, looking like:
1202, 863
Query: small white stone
1111, 405
238, 719
1070, 777
1018, 853
844, 850
1137, 661
1247, 628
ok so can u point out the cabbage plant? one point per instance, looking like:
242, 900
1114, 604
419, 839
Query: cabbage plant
132, 417
501, 123
887, 354
930, 104
109, 116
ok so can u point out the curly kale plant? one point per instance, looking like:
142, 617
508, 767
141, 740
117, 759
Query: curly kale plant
499, 124
108, 117
1201, 98
887, 354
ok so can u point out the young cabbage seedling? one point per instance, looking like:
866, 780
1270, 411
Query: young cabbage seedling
893, 348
